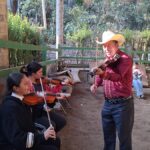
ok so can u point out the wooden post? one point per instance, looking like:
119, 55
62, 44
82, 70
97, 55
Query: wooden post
4, 55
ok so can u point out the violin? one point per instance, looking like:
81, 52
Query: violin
48, 81
50, 97
55, 81
108, 62
34, 99
105, 64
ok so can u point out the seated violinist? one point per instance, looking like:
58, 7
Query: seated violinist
17, 130
34, 74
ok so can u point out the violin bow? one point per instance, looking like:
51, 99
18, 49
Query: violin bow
48, 115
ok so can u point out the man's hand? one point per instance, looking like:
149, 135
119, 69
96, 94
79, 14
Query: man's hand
93, 88
97, 71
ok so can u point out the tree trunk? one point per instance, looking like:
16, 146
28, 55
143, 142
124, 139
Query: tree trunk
59, 22
44, 14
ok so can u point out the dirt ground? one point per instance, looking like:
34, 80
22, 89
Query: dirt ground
84, 131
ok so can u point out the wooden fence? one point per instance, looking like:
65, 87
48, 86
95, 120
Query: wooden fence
70, 55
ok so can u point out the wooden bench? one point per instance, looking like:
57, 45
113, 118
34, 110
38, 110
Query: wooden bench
75, 73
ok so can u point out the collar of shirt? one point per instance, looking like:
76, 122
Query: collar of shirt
17, 96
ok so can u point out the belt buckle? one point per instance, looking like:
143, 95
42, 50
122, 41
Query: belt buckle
115, 102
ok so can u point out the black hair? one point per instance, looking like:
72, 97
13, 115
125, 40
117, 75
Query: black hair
32, 67
14, 79
24, 70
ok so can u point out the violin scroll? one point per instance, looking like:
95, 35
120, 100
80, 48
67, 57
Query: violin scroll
105, 64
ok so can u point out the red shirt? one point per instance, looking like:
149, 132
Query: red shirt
117, 79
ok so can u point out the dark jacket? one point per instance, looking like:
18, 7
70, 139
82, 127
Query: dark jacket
15, 123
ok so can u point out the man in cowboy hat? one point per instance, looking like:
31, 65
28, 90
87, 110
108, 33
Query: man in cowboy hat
118, 110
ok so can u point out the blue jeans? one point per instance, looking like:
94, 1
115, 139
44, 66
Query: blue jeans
118, 118
138, 86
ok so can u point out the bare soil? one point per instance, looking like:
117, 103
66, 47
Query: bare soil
84, 130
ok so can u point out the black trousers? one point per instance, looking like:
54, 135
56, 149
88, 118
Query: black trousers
50, 144
47, 147
41, 147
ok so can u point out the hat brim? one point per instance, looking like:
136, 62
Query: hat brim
117, 37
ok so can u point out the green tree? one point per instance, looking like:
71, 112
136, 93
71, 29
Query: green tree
80, 35
20, 30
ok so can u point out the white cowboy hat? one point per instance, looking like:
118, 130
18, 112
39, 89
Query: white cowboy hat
110, 36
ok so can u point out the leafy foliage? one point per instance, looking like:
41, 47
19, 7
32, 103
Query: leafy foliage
32, 10
80, 35
77, 28
20, 30
97, 15
79, 2
128, 34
